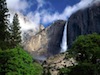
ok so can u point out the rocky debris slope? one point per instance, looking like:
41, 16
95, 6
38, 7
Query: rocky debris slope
57, 62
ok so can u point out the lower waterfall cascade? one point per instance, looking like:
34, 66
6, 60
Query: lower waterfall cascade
64, 40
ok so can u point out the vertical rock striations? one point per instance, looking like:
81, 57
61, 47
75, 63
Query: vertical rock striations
55, 34
37, 44
48, 41
83, 22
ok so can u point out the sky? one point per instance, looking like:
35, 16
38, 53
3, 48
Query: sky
45, 12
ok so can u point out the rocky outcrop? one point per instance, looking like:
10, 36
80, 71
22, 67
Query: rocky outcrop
47, 41
83, 22
55, 63
37, 44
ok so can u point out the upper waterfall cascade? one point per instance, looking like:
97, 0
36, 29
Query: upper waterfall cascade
64, 39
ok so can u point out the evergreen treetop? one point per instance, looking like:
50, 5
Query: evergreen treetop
15, 31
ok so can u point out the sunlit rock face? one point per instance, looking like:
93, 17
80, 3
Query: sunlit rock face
33, 36
47, 41
37, 44
27, 34
83, 22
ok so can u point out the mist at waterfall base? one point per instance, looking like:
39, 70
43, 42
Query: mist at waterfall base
64, 40
40, 58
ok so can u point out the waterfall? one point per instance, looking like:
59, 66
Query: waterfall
64, 39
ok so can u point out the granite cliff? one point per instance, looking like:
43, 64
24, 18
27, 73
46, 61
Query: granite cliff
47, 41
85, 21
55, 34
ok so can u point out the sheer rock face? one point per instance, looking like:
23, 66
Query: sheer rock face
37, 44
47, 41
55, 34
83, 22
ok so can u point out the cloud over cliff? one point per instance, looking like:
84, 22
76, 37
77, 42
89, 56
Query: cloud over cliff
42, 15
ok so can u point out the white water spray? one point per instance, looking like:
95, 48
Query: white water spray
64, 39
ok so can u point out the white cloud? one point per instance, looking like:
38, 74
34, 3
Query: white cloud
17, 5
40, 3
35, 17
26, 22
32, 19
47, 17
44, 16
56, 16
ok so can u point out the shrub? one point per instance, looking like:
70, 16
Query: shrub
86, 47
86, 51
18, 62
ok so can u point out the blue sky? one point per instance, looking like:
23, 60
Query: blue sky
54, 5
59, 5
45, 12
50, 6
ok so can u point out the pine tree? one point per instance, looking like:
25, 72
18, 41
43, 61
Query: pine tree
15, 32
3, 24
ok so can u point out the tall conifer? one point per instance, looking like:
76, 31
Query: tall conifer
4, 34
15, 31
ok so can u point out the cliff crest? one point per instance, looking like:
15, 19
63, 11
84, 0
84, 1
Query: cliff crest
83, 22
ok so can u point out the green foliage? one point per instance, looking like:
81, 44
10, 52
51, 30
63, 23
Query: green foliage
10, 36
86, 47
17, 62
80, 69
4, 34
64, 71
86, 50
13, 61
15, 32
83, 69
